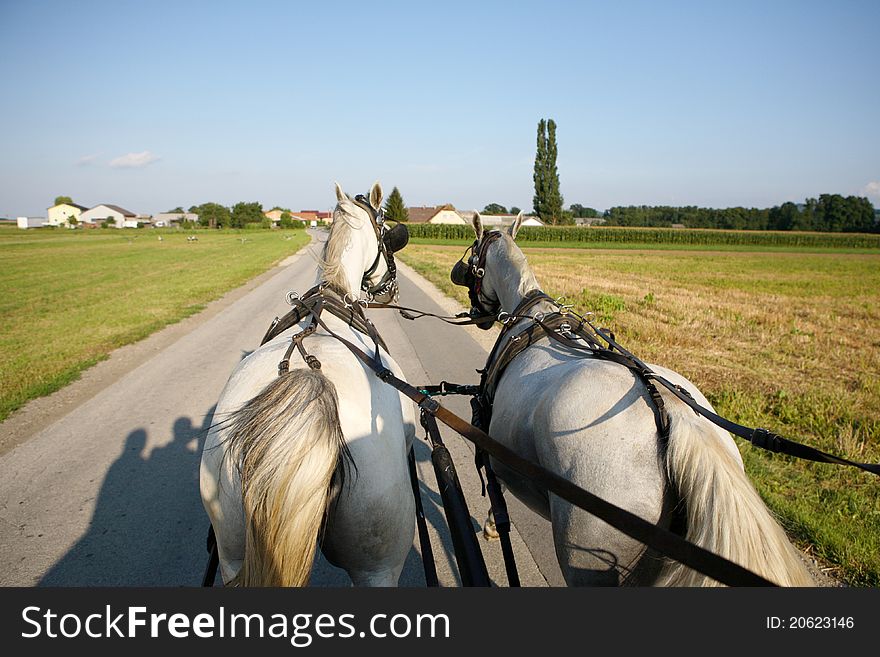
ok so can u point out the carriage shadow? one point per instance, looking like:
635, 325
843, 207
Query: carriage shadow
148, 527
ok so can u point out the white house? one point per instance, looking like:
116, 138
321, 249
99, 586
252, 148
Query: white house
440, 214
119, 217
61, 214
31, 222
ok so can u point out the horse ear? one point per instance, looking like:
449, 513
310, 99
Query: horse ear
478, 226
340, 195
376, 195
514, 227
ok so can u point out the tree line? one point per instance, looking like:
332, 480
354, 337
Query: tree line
215, 215
832, 213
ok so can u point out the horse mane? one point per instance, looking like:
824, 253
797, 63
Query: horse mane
331, 257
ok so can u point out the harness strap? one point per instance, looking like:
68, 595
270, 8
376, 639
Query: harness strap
322, 297
461, 319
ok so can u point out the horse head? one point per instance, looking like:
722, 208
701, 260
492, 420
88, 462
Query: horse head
485, 266
378, 241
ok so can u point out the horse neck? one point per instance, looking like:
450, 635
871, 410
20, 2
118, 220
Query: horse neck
515, 278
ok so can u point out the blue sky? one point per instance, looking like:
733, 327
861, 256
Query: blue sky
151, 105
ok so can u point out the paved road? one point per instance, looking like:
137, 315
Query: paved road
105, 491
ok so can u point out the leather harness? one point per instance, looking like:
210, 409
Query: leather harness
312, 304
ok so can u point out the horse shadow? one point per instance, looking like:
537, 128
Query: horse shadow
149, 526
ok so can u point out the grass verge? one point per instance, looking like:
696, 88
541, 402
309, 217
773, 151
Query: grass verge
68, 298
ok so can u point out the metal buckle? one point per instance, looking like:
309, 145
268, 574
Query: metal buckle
345, 300
564, 308
504, 317
479, 272
291, 298
429, 405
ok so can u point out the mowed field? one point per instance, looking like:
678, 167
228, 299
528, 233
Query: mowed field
68, 298
785, 340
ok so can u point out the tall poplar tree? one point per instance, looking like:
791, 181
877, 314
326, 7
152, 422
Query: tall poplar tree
554, 196
540, 166
548, 199
395, 208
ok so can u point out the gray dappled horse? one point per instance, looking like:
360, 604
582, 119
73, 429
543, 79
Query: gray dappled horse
591, 421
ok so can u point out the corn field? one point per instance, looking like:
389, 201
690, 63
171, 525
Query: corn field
698, 237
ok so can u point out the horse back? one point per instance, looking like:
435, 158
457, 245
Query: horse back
588, 420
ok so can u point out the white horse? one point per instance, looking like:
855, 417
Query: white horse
275, 480
592, 422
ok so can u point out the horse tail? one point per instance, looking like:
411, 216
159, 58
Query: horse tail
287, 443
725, 514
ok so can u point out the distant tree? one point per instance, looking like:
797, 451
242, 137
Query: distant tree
395, 208
784, 217
105, 224
579, 210
514, 210
63, 199
548, 199
73, 221
212, 215
286, 220
177, 210
246, 213
494, 208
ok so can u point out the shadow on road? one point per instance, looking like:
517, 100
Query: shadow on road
149, 526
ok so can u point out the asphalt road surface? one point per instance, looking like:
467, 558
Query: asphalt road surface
99, 482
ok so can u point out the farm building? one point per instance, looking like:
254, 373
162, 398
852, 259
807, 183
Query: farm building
499, 220
589, 221
309, 216
447, 214
119, 217
440, 214
60, 215
165, 219
31, 222
306, 216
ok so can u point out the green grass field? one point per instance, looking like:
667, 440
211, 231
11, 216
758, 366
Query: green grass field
788, 340
68, 298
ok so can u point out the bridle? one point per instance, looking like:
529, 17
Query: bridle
389, 241
469, 272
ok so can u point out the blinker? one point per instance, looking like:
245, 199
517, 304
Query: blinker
396, 238
461, 273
